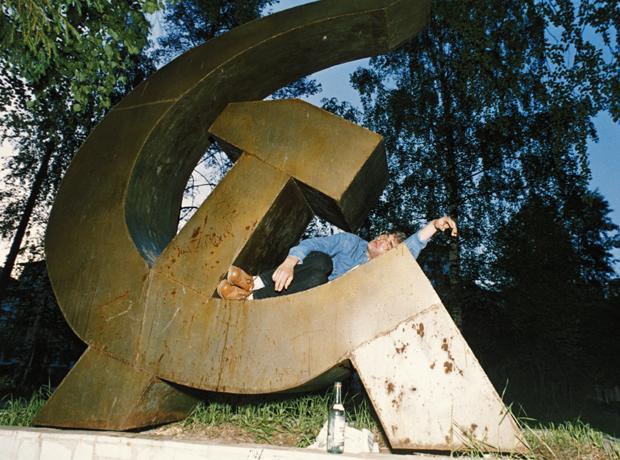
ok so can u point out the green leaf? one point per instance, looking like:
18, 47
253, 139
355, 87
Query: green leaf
109, 52
150, 7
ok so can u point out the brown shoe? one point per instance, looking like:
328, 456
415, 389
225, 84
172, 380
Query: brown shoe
238, 277
229, 292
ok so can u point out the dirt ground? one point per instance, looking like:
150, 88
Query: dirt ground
226, 433
229, 434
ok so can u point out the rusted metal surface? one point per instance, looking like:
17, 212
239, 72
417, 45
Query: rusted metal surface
101, 390
142, 298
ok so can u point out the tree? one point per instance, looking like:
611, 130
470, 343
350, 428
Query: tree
45, 133
481, 108
552, 303
62, 64
190, 23
89, 42
593, 236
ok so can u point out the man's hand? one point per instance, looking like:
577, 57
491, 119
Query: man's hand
283, 275
445, 223
441, 224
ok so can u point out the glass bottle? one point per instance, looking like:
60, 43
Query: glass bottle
336, 422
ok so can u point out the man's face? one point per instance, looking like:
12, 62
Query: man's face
381, 244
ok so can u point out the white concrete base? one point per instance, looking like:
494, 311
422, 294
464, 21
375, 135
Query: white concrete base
50, 444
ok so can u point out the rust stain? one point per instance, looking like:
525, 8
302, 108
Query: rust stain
473, 427
402, 348
396, 401
420, 329
215, 239
390, 387
433, 365
450, 364
414, 389
196, 232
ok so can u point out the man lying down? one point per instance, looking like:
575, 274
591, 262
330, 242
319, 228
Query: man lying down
316, 261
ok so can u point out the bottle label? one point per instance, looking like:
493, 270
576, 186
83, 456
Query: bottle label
339, 426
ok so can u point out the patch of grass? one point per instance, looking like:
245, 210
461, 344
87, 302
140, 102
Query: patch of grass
571, 440
21, 412
296, 420
565, 441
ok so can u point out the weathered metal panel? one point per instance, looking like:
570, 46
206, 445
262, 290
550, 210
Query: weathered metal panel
430, 392
122, 394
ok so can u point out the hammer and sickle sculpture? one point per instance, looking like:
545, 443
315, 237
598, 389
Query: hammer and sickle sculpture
141, 296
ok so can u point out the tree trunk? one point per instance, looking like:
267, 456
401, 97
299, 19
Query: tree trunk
453, 188
25, 220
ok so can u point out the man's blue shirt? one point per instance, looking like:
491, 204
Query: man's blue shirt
347, 250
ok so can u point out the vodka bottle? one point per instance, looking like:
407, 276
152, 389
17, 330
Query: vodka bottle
336, 423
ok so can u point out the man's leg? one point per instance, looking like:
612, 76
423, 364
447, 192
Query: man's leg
314, 271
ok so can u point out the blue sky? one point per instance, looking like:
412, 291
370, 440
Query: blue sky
604, 154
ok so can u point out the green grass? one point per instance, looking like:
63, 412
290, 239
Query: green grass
20, 411
571, 440
296, 420
300, 417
